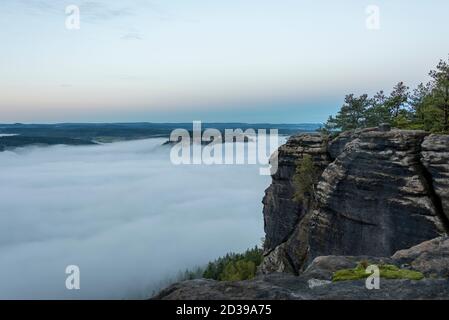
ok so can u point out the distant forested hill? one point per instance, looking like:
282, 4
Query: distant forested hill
90, 133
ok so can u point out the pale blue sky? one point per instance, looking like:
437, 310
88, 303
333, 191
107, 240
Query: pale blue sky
184, 60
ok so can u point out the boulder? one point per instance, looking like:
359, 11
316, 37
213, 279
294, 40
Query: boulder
430, 257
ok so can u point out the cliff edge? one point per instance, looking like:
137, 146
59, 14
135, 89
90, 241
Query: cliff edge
382, 196
382, 191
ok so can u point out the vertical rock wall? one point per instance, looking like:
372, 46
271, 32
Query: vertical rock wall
380, 191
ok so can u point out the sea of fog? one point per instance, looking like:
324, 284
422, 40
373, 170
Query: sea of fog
123, 213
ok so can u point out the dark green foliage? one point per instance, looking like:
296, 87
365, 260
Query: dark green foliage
235, 266
353, 113
22, 141
377, 112
427, 108
190, 274
239, 270
396, 103
439, 96
305, 178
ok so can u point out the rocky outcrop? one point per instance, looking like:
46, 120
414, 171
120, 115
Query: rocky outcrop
382, 192
315, 282
430, 257
281, 212
337, 146
373, 199
288, 287
435, 157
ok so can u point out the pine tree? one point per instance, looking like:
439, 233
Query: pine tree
352, 114
305, 179
440, 90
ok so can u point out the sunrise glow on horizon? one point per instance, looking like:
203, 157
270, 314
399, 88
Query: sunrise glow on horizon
245, 61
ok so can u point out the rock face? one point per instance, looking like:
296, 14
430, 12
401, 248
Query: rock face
373, 199
430, 257
435, 156
281, 212
382, 191
288, 287
315, 282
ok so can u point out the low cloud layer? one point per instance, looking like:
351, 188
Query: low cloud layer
121, 212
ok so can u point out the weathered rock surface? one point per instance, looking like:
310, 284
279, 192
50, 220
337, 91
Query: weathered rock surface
337, 145
284, 286
281, 212
315, 282
375, 198
430, 257
435, 156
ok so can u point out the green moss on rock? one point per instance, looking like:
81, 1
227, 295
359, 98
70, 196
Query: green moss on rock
387, 271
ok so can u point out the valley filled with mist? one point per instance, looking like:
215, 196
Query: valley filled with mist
123, 213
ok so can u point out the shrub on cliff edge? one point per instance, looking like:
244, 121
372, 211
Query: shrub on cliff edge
304, 180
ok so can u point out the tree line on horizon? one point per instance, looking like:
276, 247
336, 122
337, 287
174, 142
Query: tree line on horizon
424, 108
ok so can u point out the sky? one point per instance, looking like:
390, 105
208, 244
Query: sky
278, 61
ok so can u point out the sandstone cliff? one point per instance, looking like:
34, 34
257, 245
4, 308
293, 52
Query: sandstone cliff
381, 193
281, 212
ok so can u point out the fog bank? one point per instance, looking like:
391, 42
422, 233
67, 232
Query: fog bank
121, 212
